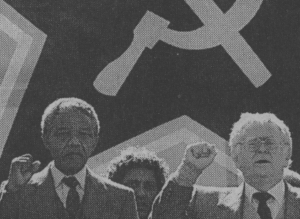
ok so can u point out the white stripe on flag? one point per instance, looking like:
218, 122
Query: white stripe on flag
29, 42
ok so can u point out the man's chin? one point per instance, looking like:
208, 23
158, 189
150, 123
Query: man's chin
73, 156
263, 171
71, 170
72, 165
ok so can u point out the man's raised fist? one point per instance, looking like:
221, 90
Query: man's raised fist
200, 154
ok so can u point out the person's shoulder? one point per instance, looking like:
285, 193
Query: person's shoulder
213, 190
205, 197
294, 190
291, 177
39, 177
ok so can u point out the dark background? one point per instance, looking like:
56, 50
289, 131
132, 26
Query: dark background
83, 36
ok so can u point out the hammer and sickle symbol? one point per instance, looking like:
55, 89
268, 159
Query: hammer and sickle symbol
219, 29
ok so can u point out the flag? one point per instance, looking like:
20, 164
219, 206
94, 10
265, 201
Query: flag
142, 64
21, 44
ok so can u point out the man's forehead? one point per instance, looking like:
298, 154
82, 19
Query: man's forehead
258, 130
72, 117
261, 138
139, 174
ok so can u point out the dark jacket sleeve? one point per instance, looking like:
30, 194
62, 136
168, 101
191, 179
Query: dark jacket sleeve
174, 201
129, 207
9, 203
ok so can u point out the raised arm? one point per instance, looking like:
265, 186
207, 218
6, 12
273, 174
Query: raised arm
21, 170
176, 200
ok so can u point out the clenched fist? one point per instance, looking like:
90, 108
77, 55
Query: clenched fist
21, 170
200, 154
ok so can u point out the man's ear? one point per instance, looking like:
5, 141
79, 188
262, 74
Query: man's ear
45, 140
235, 160
288, 155
234, 155
96, 140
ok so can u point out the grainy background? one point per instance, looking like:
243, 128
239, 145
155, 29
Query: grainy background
84, 36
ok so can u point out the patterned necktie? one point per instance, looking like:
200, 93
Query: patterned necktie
73, 200
263, 209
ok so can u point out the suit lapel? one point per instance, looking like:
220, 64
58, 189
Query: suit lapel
95, 196
231, 202
292, 202
45, 195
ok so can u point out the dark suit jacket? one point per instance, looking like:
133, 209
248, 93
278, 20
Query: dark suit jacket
38, 199
199, 202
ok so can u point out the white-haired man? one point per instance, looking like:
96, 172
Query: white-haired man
261, 147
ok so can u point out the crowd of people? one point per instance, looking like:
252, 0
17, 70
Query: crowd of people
138, 184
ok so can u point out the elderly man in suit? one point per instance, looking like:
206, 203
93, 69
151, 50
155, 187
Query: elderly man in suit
66, 188
261, 148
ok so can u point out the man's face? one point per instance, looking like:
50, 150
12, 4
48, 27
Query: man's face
143, 182
71, 139
263, 152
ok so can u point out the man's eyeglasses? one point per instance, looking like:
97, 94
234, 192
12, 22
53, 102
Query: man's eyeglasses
270, 144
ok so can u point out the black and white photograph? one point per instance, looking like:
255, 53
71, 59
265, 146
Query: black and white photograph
149, 109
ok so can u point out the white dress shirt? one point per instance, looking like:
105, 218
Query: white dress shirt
62, 189
275, 203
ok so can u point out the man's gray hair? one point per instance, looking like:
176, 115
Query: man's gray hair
68, 103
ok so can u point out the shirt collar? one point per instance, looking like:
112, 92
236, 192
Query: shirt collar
277, 191
58, 176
